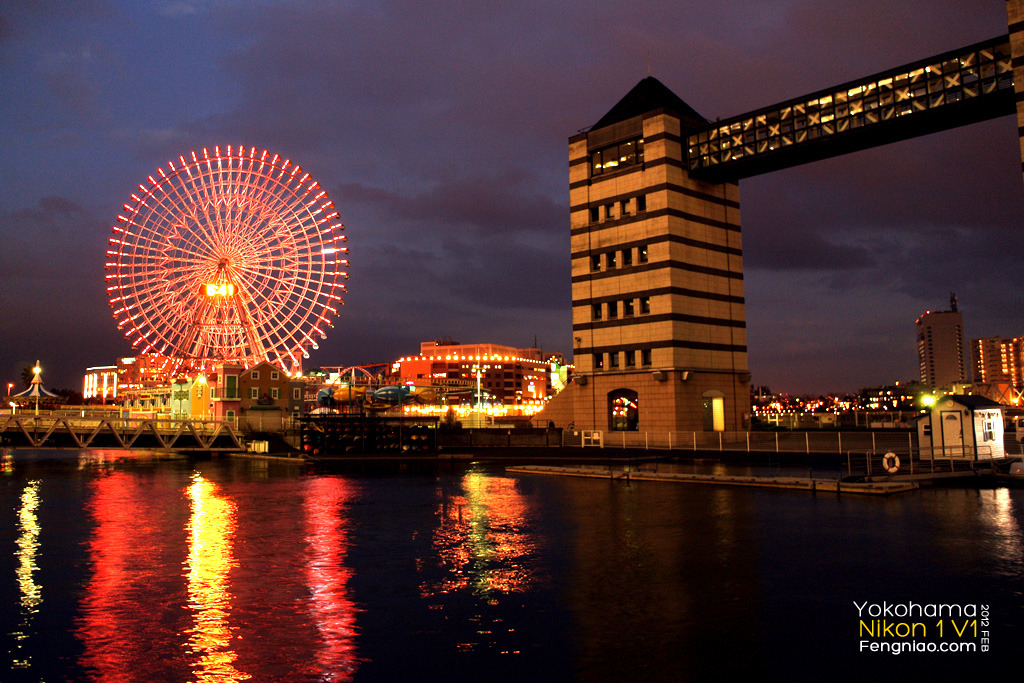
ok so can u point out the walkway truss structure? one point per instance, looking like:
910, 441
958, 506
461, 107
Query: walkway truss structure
27, 431
956, 88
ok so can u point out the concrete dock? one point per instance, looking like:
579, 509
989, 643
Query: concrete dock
883, 488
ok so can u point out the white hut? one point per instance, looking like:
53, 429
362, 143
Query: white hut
962, 427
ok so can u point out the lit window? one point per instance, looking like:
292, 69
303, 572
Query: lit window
641, 254
595, 262
254, 392
609, 259
627, 307
274, 393
598, 361
627, 153
645, 304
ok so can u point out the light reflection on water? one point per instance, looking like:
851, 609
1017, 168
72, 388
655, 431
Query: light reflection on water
30, 591
330, 608
211, 528
481, 540
228, 571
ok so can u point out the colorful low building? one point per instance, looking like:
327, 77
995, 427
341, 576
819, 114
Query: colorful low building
503, 375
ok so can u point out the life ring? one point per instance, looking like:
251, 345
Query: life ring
891, 463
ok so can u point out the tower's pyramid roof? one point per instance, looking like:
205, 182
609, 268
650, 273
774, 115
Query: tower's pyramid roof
647, 95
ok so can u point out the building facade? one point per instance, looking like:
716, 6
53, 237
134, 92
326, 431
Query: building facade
998, 360
100, 383
962, 427
940, 348
504, 375
268, 397
657, 278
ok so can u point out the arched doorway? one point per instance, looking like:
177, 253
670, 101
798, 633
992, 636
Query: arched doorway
623, 411
714, 411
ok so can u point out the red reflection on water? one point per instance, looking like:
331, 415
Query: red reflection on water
482, 540
334, 614
130, 605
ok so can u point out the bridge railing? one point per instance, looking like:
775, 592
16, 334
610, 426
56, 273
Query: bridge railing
814, 441
56, 431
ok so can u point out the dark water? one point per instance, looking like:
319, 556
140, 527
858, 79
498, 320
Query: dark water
127, 567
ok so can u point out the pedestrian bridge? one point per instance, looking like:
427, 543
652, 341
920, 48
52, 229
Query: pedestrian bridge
32, 431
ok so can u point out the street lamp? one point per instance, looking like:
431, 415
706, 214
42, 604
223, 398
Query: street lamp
37, 381
10, 385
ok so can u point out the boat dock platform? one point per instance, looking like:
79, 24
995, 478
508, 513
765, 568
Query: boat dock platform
883, 488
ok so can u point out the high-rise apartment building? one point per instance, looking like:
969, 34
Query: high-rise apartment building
997, 360
940, 347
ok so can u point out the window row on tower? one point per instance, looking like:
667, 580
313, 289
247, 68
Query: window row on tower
628, 358
618, 258
622, 208
630, 307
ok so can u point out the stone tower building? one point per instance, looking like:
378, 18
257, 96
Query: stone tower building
657, 277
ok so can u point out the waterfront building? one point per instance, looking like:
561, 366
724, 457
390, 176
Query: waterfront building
100, 383
503, 375
657, 278
940, 347
225, 398
146, 403
962, 427
268, 396
190, 398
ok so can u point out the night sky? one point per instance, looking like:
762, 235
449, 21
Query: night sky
440, 131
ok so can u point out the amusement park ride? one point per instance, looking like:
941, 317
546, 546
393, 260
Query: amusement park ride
359, 388
227, 255
235, 256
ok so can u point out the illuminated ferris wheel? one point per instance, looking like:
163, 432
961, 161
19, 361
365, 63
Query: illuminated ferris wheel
229, 255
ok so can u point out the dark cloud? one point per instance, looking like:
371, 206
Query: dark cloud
53, 294
440, 131
510, 202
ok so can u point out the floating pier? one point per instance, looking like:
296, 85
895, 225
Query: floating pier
883, 488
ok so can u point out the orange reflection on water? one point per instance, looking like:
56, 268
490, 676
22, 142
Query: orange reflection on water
334, 614
998, 514
210, 531
482, 539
